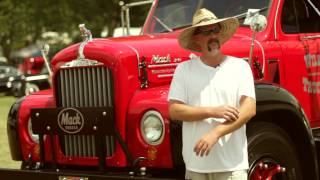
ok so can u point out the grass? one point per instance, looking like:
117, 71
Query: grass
5, 157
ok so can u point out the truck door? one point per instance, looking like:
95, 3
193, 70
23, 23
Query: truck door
309, 28
300, 66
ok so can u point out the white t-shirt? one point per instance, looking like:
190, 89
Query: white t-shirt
198, 84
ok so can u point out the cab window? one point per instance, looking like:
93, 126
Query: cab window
308, 17
300, 16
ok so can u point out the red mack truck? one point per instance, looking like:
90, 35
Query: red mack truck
106, 116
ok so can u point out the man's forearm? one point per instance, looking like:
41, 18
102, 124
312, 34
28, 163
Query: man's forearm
184, 112
247, 111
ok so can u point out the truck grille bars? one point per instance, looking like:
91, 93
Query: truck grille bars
85, 87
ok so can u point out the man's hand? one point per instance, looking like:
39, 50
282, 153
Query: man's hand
205, 144
229, 113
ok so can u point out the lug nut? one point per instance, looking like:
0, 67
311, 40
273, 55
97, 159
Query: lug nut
260, 165
143, 169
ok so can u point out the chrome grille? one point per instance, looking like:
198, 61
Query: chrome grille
84, 87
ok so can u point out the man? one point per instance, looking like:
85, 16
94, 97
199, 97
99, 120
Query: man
214, 97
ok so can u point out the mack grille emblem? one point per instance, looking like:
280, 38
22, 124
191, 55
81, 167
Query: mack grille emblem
70, 120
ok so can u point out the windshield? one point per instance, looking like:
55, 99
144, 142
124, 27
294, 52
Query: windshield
174, 14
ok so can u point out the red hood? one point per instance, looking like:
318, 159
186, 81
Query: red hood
112, 49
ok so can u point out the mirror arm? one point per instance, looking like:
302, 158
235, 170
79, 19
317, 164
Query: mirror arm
251, 48
44, 53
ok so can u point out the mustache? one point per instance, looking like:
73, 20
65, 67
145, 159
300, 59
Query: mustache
211, 41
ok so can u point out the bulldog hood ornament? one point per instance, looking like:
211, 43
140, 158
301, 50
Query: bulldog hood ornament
81, 60
87, 37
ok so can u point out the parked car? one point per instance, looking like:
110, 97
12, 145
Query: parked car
7, 75
27, 84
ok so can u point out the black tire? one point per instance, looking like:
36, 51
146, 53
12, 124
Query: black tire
29, 166
25, 165
268, 142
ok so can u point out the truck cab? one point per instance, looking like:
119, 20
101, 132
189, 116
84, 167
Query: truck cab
108, 112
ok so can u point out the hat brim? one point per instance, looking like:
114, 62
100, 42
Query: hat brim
228, 28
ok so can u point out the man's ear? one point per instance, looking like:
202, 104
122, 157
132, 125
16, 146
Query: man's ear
197, 41
195, 38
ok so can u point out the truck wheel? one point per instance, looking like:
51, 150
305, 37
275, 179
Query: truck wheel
29, 165
272, 154
25, 165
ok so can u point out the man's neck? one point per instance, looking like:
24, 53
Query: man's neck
212, 61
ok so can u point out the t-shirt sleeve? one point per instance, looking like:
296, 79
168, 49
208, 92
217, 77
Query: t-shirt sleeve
177, 89
246, 87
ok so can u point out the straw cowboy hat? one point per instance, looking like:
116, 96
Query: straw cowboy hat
204, 17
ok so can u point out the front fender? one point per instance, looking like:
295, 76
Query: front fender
143, 101
277, 105
13, 131
271, 97
42, 99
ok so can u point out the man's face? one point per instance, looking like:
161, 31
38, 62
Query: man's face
207, 38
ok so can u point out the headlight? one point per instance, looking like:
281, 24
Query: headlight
9, 84
152, 127
34, 137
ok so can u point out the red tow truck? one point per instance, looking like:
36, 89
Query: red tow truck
106, 116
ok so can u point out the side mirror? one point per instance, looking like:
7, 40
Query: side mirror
258, 23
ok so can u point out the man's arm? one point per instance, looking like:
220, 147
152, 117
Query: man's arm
183, 112
247, 111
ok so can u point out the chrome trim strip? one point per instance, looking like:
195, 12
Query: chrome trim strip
310, 37
162, 65
314, 7
66, 142
109, 85
89, 145
81, 63
104, 86
263, 55
138, 57
275, 21
164, 75
38, 77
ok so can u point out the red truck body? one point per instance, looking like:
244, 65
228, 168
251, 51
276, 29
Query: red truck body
138, 72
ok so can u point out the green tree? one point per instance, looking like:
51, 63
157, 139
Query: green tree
14, 22
22, 22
